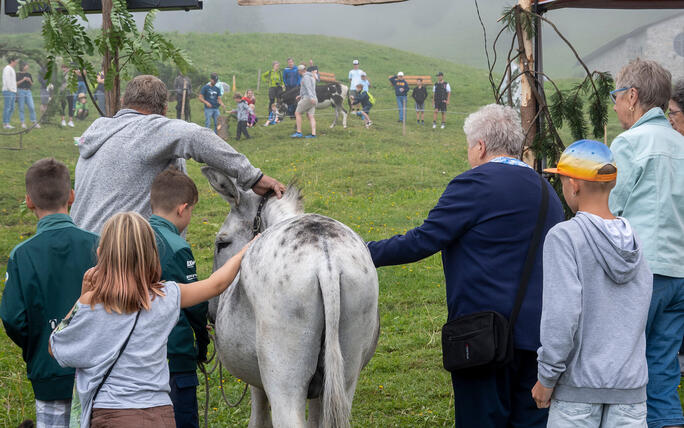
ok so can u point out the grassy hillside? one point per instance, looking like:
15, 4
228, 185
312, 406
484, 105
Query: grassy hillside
376, 181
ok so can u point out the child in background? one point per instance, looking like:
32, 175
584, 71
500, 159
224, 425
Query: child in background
81, 106
242, 116
363, 98
419, 95
173, 197
273, 116
597, 291
44, 276
116, 334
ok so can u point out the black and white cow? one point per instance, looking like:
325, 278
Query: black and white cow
329, 95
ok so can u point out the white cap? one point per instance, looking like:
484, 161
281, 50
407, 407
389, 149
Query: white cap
363, 74
355, 62
401, 73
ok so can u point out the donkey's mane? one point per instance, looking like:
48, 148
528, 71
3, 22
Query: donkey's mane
289, 205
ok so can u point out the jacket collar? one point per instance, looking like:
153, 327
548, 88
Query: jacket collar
54, 221
126, 111
654, 116
155, 220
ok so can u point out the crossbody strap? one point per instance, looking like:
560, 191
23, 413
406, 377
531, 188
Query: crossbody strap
531, 254
123, 347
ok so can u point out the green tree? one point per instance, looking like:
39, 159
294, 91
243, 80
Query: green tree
117, 49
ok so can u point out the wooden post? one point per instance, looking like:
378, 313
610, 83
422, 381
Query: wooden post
258, 80
185, 92
403, 124
113, 95
234, 87
528, 103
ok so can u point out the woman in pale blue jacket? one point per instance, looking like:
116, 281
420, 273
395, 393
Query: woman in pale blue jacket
650, 194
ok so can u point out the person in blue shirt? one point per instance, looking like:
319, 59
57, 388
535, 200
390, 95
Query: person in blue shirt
401, 90
483, 225
291, 76
210, 96
173, 196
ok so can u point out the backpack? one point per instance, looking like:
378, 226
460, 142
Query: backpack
371, 98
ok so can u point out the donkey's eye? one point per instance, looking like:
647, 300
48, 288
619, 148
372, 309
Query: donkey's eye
221, 245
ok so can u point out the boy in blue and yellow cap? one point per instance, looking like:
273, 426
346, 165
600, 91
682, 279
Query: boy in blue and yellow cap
597, 288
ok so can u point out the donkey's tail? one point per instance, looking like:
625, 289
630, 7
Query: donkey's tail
336, 406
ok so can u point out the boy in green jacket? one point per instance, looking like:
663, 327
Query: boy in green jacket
43, 280
173, 196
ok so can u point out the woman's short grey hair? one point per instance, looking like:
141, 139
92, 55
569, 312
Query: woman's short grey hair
146, 93
499, 127
652, 82
678, 94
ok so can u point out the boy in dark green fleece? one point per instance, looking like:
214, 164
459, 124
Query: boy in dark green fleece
173, 196
43, 280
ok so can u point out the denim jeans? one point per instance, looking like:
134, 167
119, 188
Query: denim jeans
25, 97
8, 107
664, 330
564, 414
209, 114
401, 105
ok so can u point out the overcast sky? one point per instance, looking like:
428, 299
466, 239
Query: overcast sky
443, 28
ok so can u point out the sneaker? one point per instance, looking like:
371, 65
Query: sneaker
443, 125
63, 122
368, 125
310, 136
23, 125
8, 126
434, 125
296, 135
71, 124
36, 125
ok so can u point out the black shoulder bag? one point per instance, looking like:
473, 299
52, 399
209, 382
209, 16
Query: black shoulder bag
485, 339
109, 371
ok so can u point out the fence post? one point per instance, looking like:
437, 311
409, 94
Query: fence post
258, 79
234, 87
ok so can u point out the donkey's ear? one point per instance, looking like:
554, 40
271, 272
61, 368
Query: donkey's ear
223, 184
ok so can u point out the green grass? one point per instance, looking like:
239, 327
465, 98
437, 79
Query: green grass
376, 181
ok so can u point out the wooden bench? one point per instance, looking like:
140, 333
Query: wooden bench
413, 80
327, 77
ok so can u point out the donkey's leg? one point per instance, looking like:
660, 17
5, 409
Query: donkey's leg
260, 416
315, 409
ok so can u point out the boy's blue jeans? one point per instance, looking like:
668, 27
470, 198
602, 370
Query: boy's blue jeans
401, 104
564, 414
26, 99
664, 331
209, 114
8, 107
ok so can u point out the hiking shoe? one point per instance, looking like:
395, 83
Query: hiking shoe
71, 124
23, 125
443, 125
63, 122
296, 135
434, 125
310, 136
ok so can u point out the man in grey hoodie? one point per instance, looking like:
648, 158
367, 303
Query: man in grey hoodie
597, 289
120, 156
307, 102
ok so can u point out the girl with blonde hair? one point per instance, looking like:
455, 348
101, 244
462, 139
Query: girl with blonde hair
115, 336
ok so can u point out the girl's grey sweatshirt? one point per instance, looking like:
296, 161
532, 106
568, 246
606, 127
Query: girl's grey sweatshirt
120, 156
597, 291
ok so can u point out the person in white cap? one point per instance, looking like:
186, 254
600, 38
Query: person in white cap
401, 90
354, 77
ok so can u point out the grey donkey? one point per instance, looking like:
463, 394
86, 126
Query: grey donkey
301, 320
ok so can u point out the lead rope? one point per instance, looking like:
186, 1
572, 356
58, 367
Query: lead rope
207, 373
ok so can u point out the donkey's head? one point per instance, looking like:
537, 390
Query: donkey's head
237, 229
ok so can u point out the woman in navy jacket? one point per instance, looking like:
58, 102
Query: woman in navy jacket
483, 224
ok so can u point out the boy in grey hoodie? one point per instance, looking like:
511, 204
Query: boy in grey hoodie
597, 291
242, 112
